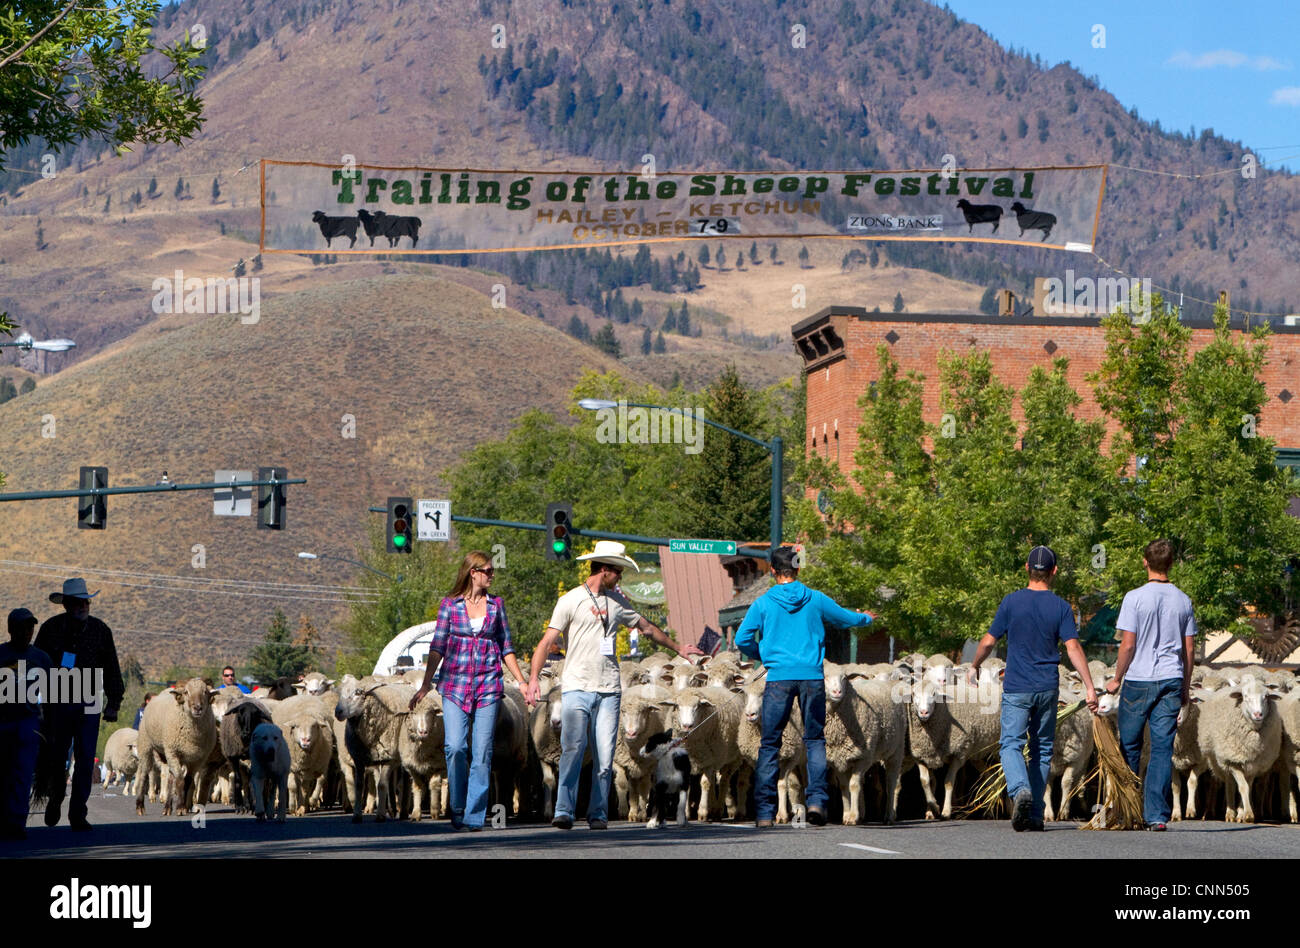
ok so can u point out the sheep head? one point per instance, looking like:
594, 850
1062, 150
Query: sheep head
194, 696
1253, 697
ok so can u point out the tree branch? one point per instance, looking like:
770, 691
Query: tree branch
72, 4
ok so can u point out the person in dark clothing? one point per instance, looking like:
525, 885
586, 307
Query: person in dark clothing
76, 640
20, 720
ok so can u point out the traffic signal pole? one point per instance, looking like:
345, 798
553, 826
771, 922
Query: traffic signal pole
145, 489
758, 552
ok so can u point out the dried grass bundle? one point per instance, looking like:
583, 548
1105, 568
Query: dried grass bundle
1121, 796
989, 797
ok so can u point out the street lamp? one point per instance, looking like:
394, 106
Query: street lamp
27, 344
773, 447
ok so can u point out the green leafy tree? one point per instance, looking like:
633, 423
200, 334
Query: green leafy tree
278, 655
1207, 480
72, 71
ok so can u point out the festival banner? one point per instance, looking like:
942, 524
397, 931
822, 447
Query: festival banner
314, 208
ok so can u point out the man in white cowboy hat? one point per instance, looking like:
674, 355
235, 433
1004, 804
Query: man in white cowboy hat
589, 615
78, 640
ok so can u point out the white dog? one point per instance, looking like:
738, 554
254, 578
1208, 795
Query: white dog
268, 755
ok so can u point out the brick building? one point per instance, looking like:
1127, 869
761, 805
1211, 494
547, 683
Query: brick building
838, 346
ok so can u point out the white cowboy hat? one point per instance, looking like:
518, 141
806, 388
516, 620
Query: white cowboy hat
73, 589
611, 552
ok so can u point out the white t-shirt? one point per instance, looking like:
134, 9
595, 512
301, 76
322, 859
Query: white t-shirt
589, 622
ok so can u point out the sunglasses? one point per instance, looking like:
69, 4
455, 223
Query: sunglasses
483, 569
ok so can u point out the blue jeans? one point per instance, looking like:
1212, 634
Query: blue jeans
1156, 703
778, 697
583, 713
1034, 714
19, 743
468, 743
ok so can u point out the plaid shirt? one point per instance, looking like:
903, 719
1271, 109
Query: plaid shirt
471, 663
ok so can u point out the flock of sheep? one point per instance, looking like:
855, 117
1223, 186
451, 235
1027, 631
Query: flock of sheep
355, 743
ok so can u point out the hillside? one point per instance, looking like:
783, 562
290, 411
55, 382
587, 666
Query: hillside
426, 367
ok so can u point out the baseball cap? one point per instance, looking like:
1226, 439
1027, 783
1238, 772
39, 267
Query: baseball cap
19, 616
1042, 557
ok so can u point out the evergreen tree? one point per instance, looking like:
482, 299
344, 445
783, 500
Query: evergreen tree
727, 487
278, 656
607, 342
898, 302
670, 321
153, 188
29, 385
257, 262
216, 191
660, 345
989, 302
803, 256
773, 254
578, 329
180, 189
753, 252
40, 236
7, 389
647, 344
684, 321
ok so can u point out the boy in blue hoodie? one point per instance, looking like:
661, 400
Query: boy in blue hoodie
786, 630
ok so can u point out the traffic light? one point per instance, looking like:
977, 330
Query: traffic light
399, 524
270, 500
559, 531
92, 511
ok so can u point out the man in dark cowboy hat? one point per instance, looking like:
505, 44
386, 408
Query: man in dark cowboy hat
77, 640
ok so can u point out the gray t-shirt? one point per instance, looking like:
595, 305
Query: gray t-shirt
589, 622
1161, 616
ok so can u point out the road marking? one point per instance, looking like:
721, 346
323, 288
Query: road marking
871, 849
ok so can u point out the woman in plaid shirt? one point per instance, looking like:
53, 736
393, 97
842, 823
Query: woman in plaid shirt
471, 640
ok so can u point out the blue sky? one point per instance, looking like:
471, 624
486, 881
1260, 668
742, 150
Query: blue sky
1228, 65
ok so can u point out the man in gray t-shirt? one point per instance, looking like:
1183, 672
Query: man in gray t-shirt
1158, 642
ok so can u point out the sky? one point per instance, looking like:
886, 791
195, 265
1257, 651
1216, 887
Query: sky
1231, 66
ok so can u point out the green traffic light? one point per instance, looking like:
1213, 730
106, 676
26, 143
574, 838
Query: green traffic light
399, 540
558, 546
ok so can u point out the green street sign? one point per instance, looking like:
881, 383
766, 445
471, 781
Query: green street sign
720, 547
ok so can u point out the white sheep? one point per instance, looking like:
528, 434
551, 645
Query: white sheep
510, 746
709, 720
1240, 735
1187, 757
179, 732
268, 756
644, 711
122, 755
311, 745
374, 712
950, 724
421, 747
544, 729
866, 723
314, 683
749, 740
1289, 714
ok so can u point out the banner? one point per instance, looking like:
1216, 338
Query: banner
316, 208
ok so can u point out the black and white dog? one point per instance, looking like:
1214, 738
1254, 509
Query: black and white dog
672, 775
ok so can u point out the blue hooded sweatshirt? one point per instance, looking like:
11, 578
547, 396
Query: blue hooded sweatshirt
791, 619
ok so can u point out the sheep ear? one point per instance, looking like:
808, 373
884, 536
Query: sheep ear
667, 704
706, 702
180, 698
329, 681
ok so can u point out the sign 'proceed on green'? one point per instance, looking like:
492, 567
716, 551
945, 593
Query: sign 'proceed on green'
720, 547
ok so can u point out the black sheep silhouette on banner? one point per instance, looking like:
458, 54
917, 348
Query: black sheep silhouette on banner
380, 224
992, 214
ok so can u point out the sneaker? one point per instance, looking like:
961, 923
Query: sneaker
52, 812
1020, 810
597, 824
80, 826
762, 824
1157, 827
1036, 826
562, 823
816, 816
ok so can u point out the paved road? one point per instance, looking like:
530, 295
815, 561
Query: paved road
120, 834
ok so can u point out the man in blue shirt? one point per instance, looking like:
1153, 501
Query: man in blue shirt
785, 628
1156, 653
1033, 620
